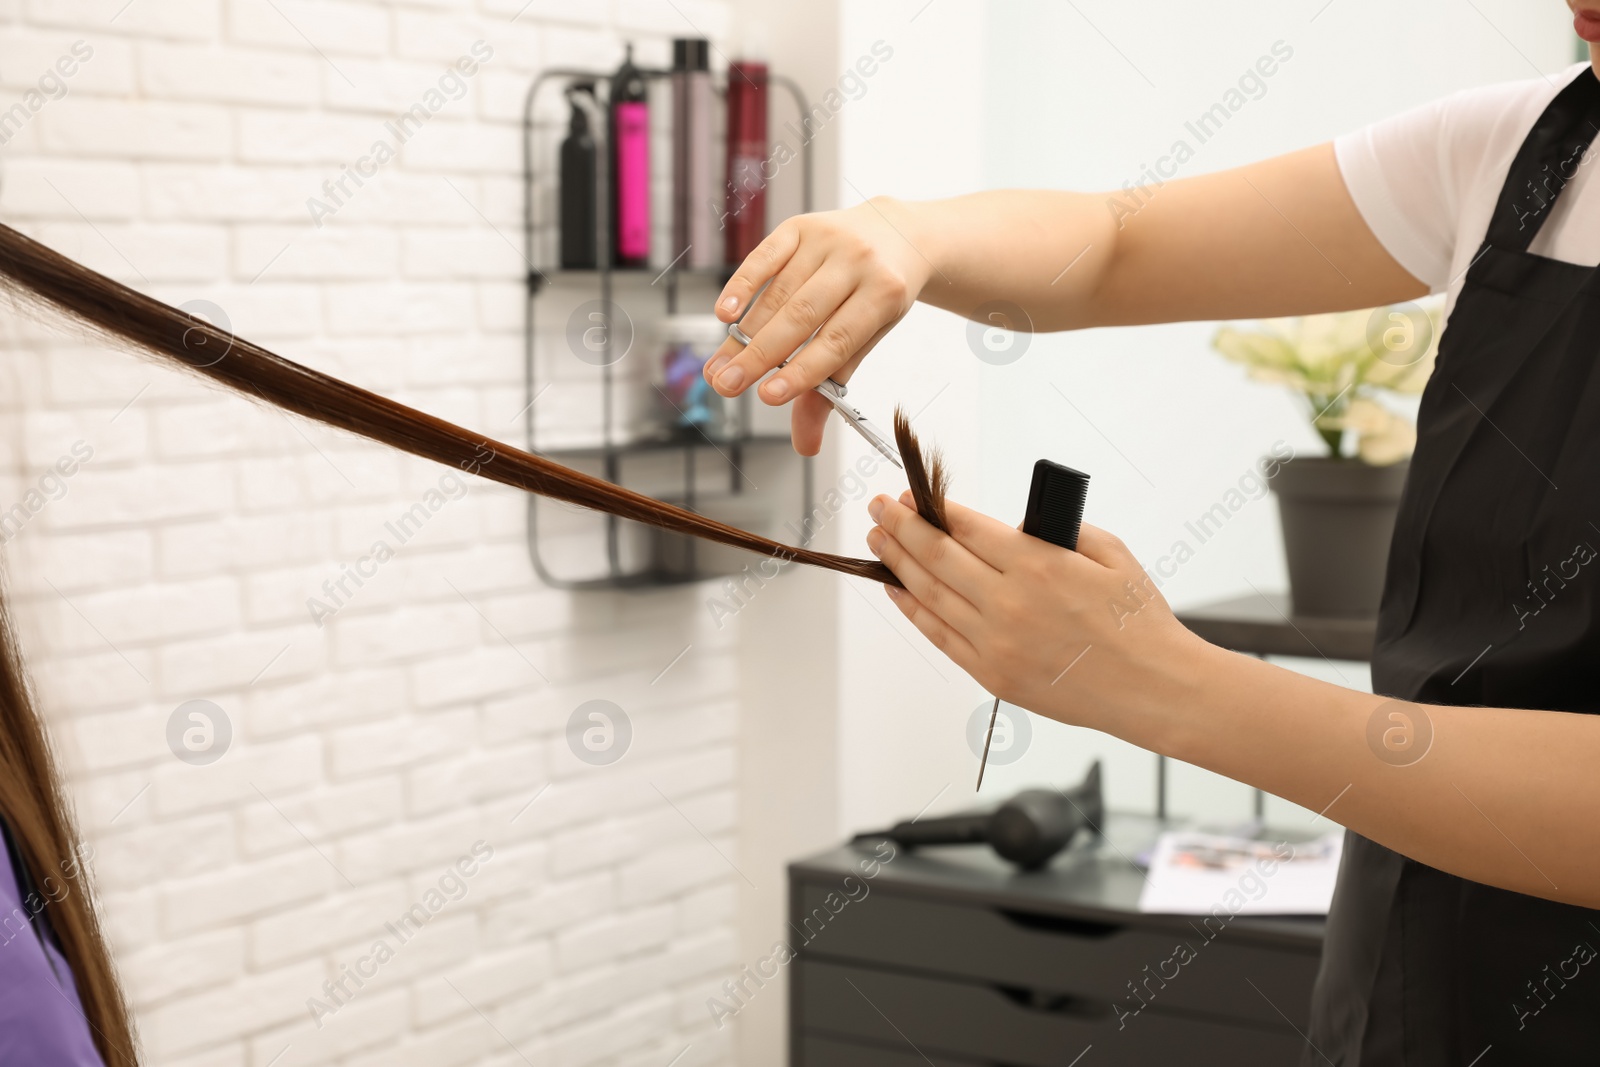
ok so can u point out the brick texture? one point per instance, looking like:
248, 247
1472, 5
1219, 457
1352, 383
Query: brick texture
425, 717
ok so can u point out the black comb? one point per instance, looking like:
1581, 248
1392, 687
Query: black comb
1055, 504
1055, 514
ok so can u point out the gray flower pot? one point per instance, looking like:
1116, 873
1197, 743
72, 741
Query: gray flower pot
1338, 518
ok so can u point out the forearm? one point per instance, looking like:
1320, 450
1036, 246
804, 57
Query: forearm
1500, 796
1043, 251
1279, 237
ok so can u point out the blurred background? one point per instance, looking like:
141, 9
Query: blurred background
372, 723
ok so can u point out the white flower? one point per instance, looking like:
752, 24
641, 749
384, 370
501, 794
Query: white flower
1339, 362
1382, 437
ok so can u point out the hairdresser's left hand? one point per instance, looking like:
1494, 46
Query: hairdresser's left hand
1076, 635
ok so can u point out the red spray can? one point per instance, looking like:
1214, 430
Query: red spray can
744, 221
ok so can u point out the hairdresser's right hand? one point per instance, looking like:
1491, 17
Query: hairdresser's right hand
852, 272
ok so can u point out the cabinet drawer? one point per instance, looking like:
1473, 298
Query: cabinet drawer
1104, 962
816, 1051
995, 1027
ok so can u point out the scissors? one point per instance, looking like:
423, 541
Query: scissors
834, 392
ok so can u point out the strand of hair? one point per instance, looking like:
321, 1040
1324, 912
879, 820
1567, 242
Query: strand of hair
925, 471
46, 278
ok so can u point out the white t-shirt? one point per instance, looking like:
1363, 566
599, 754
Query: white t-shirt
1427, 180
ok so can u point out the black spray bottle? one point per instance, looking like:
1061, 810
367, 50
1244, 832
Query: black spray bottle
579, 190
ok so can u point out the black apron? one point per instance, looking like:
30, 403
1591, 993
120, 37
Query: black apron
1492, 599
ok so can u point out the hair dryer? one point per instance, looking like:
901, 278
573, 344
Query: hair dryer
1029, 829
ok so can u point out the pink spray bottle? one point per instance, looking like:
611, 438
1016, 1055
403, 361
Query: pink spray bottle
630, 165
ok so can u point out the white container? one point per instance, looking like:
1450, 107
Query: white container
687, 405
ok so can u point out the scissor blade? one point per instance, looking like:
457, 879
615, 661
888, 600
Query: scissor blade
859, 422
834, 392
829, 388
883, 447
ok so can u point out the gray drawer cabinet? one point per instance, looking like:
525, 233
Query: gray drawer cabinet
949, 956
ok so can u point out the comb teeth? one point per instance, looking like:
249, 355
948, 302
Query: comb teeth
1055, 504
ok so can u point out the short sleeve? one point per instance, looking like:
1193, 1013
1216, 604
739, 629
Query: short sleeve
1425, 179
1400, 183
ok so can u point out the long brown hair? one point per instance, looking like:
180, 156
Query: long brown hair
38, 820
31, 799
43, 276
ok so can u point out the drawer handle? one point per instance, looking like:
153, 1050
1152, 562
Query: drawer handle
1054, 1003
1059, 924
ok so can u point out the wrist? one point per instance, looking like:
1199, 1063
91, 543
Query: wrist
910, 219
1169, 709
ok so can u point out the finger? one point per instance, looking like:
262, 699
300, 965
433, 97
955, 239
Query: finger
808, 415
1105, 549
1002, 546
939, 597
854, 325
935, 551
795, 274
767, 259
845, 372
790, 325
939, 633
984, 536
721, 358
805, 262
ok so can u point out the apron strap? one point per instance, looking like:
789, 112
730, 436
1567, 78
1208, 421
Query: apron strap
1548, 159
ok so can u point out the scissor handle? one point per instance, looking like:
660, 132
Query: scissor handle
832, 389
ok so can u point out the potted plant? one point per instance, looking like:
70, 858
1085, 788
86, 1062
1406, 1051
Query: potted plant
1338, 509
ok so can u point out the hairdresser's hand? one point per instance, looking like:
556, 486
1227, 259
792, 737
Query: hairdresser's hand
851, 272
1072, 635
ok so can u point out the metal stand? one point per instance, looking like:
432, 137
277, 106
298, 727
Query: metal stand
609, 451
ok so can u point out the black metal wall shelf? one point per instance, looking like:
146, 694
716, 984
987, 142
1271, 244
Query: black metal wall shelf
540, 278
665, 444
708, 471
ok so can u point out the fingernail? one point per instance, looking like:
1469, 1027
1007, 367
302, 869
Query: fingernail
716, 365
730, 379
875, 508
730, 303
894, 591
777, 389
875, 543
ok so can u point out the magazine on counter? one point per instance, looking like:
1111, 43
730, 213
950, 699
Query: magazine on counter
1195, 873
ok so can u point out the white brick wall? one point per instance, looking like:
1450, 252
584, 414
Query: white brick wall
371, 753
